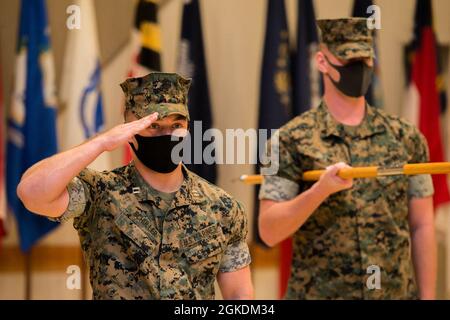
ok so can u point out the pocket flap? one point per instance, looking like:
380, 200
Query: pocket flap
203, 243
202, 252
146, 239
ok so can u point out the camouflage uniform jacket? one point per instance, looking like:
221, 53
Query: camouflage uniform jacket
204, 232
354, 229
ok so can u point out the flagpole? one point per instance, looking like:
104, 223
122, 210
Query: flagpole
28, 265
366, 172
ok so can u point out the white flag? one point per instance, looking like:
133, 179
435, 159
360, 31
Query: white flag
82, 115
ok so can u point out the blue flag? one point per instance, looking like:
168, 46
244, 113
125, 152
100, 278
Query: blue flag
192, 65
275, 108
374, 94
31, 124
275, 105
306, 78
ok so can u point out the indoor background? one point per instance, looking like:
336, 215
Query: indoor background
233, 33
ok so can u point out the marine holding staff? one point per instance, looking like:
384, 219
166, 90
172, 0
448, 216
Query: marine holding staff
343, 230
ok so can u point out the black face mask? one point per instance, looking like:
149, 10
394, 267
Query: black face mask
355, 78
156, 152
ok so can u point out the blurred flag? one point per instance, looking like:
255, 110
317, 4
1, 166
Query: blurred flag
306, 79
146, 46
275, 108
443, 62
31, 123
306, 93
148, 35
422, 105
81, 99
2, 165
192, 64
374, 95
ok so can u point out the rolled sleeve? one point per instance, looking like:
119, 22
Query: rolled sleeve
420, 186
77, 201
280, 184
236, 256
278, 189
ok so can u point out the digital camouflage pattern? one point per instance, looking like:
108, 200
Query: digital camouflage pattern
347, 38
165, 93
115, 213
356, 228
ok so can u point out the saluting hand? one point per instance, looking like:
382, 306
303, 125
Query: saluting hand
123, 133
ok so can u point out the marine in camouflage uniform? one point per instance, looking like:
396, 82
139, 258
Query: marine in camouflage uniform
140, 243
363, 226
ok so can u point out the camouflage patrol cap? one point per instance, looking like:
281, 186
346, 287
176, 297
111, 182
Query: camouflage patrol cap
347, 38
165, 93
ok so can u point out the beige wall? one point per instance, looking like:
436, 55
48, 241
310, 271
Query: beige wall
234, 34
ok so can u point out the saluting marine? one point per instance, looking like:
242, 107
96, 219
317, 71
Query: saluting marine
150, 229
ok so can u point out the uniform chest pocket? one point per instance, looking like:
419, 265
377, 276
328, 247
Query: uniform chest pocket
396, 181
145, 237
204, 244
203, 256
202, 252
325, 155
394, 189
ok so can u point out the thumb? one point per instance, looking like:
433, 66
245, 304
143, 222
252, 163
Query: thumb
341, 165
332, 170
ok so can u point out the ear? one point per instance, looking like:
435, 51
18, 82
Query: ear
321, 62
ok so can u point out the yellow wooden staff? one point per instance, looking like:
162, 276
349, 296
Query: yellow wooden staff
367, 172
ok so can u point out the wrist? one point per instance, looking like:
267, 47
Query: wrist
319, 191
99, 143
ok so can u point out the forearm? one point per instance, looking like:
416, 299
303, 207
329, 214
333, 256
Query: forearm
45, 181
43, 186
282, 219
421, 224
425, 260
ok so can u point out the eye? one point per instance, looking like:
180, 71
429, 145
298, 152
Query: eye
154, 126
177, 126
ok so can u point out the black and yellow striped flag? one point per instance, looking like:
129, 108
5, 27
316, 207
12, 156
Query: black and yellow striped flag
146, 22
145, 46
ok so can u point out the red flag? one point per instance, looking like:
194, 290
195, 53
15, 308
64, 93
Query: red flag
285, 265
424, 95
